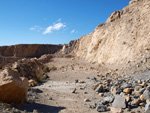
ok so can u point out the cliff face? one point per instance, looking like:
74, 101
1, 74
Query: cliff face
9, 54
28, 50
123, 39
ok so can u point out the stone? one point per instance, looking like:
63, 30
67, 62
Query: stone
109, 99
127, 97
136, 102
113, 90
147, 108
116, 110
95, 86
125, 85
137, 93
81, 81
147, 93
13, 88
101, 94
119, 102
74, 90
30, 101
87, 100
101, 108
127, 90
32, 83
142, 97
142, 104
35, 111
137, 88
99, 89
76, 81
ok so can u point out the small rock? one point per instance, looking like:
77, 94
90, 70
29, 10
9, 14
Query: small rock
74, 91
136, 102
147, 108
99, 89
109, 99
127, 97
142, 104
50, 98
82, 82
87, 100
139, 81
147, 93
85, 92
137, 88
25, 111
127, 90
115, 110
125, 85
101, 108
76, 81
30, 101
119, 102
143, 85
35, 111
101, 94
142, 97
113, 90
95, 86
137, 93
82, 88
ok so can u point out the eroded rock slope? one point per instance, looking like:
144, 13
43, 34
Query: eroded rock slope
124, 40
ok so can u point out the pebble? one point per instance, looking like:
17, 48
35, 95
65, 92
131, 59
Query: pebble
87, 100
115, 110
127, 90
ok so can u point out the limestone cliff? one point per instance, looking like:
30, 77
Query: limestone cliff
9, 54
123, 40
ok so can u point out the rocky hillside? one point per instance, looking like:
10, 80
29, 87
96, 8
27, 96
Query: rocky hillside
124, 40
9, 54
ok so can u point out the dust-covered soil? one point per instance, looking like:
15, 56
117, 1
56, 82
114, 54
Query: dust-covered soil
70, 89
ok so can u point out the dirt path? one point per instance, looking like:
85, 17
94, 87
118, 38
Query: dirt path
55, 95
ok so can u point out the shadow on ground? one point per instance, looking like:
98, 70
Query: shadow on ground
41, 108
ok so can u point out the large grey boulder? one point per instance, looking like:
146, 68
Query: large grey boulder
119, 102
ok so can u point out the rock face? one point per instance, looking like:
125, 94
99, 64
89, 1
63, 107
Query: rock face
10, 54
13, 89
123, 40
68, 48
28, 50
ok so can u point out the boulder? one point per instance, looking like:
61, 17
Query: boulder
119, 102
13, 89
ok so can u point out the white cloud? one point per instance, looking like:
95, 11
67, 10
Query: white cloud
74, 31
36, 28
59, 20
55, 27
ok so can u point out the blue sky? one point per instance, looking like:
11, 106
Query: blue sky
52, 21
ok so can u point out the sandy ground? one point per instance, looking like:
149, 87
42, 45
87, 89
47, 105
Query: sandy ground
55, 95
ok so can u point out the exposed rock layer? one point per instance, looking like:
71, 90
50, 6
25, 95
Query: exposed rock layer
10, 54
28, 50
124, 40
